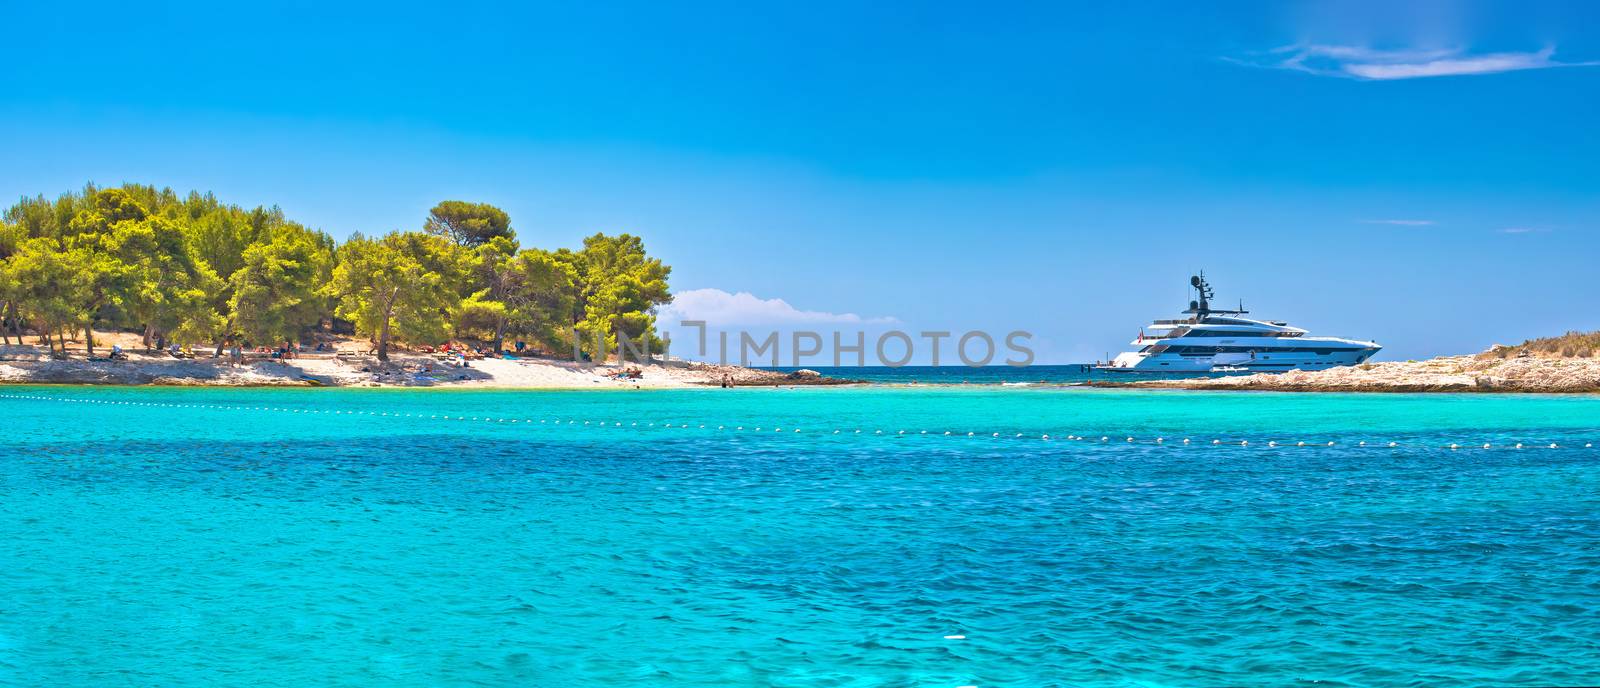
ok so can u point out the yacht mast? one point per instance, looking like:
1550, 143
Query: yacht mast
1201, 308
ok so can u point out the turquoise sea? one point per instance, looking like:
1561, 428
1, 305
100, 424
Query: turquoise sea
261, 537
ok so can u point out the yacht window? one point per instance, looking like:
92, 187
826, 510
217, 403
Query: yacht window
1236, 333
1208, 349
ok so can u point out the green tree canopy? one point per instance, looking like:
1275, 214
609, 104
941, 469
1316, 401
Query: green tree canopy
278, 289
44, 286
620, 287
401, 285
468, 224
168, 288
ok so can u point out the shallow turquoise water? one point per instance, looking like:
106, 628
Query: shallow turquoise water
181, 537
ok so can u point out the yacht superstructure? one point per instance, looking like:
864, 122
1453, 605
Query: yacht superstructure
1222, 340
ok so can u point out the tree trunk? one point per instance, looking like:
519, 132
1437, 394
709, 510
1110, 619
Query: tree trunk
383, 339
383, 332
223, 338
16, 322
4, 337
499, 334
88, 340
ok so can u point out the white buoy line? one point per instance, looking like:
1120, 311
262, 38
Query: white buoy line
1045, 437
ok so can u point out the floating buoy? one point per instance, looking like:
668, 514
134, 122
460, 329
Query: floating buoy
1519, 445
1216, 441
1485, 445
1394, 444
1453, 446
1553, 445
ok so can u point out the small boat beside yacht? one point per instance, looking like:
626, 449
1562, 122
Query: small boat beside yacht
1222, 340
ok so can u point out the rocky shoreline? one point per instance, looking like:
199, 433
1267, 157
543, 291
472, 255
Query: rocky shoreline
1468, 373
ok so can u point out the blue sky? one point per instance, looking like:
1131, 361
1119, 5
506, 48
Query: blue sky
1425, 176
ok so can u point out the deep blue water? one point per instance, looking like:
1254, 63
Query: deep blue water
199, 537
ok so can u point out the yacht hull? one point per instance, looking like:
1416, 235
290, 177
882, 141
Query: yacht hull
1260, 361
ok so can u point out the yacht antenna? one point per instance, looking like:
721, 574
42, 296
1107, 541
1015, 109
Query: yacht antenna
1202, 306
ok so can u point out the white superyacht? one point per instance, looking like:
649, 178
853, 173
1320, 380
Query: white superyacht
1219, 340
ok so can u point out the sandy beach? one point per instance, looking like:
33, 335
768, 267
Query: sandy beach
350, 366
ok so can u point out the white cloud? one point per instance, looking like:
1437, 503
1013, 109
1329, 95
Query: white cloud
1523, 230
1373, 64
722, 310
1402, 223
